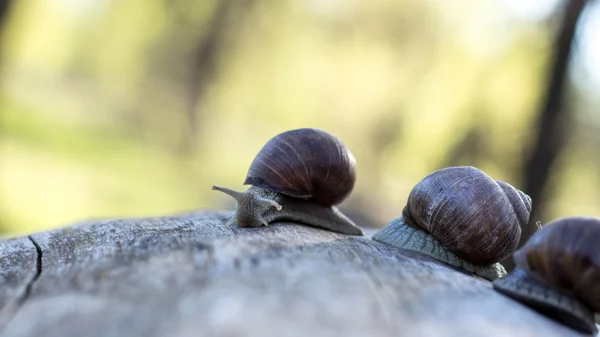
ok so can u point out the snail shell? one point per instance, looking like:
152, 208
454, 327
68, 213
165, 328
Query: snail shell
303, 174
473, 215
305, 163
471, 220
558, 272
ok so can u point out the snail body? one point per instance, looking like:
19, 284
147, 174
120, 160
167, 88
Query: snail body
299, 175
558, 272
461, 217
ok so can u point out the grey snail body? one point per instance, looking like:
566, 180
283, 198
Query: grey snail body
558, 272
299, 175
462, 217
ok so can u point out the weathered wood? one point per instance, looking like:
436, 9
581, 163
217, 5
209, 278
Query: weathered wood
18, 268
189, 275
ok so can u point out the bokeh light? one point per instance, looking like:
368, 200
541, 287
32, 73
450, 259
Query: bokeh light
137, 107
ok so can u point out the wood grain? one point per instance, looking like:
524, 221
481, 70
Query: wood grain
189, 275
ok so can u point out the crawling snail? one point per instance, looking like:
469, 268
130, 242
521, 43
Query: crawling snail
558, 272
299, 175
462, 217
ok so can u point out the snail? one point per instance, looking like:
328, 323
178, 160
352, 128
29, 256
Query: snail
298, 175
462, 217
557, 272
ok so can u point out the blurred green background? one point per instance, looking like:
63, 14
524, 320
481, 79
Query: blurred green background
119, 108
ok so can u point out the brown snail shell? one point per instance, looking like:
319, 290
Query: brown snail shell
305, 163
472, 220
473, 215
558, 272
303, 173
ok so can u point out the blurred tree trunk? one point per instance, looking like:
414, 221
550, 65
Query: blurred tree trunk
4, 10
5, 6
205, 58
551, 126
470, 149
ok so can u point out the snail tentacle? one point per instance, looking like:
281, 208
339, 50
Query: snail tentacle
268, 202
261, 219
234, 194
230, 222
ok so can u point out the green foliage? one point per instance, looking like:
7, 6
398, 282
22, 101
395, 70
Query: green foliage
97, 101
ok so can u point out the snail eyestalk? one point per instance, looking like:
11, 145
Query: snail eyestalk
234, 194
268, 202
249, 208
239, 197
231, 221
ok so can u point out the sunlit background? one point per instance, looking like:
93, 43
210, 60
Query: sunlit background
122, 108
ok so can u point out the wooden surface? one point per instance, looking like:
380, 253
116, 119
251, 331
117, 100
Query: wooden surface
188, 275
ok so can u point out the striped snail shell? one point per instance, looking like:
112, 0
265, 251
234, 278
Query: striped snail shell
462, 217
305, 163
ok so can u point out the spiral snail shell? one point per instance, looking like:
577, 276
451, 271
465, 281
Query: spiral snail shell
558, 272
298, 175
462, 217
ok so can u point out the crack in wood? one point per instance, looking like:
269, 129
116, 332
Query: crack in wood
38, 267
10, 310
